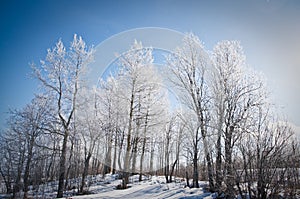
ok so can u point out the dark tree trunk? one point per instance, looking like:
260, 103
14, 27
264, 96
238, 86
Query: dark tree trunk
172, 170
219, 159
115, 156
18, 186
142, 159
70, 165
210, 173
187, 179
228, 164
62, 167
167, 173
85, 171
134, 155
7, 181
219, 165
195, 170
27, 167
219, 173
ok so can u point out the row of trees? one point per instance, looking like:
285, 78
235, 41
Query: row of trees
225, 123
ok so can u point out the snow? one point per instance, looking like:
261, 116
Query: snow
152, 188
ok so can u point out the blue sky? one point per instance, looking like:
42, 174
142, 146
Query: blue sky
268, 30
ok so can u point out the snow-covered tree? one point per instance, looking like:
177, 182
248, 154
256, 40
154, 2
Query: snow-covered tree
189, 65
140, 88
88, 126
237, 92
26, 126
60, 76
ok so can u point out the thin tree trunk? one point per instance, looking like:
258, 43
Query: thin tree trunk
167, 155
142, 158
62, 166
107, 164
120, 151
207, 156
219, 152
115, 155
70, 165
172, 170
17, 186
6, 178
27, 167
85, 171
195, 169
125, 177
134, 155
228, 164
187, 179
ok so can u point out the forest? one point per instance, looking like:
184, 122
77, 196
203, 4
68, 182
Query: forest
203, 115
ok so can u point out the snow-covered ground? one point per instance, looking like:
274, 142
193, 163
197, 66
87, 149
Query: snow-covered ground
152, 188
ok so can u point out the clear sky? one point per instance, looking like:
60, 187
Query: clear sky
269, 31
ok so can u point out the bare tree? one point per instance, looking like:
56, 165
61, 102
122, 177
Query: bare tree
60, 77
89, 127
133, 78
189, 65
237, 92
32, 119
139, 90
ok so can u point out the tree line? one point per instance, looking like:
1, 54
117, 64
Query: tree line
224, 128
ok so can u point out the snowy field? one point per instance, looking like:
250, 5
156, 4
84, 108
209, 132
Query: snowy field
152, 188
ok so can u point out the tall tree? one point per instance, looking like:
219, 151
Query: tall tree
237, 94
189, 65
89, 127
137, 81
60, 75
133, 77
33, 119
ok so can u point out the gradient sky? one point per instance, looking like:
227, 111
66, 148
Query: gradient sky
269, 31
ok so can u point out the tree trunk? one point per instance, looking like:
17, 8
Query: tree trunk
166, 172
207, 156
17, 186
7, 181
85, 171
134, 155
219, 165
120, 151
70, 165
27, 167
125, 177
172, 170
115, 155
219, 151
167, 155
187, 179
210, 173
62, 166
228, 164
142, 159
107, 163
195, 169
